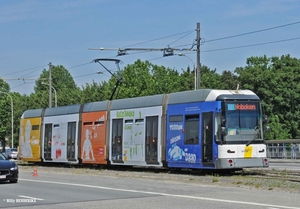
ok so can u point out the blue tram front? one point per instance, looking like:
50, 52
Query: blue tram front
215, 129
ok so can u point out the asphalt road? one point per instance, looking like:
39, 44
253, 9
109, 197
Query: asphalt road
70, 190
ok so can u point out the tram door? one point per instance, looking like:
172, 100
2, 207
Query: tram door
71, 141
207, 138
48, 141
151, 140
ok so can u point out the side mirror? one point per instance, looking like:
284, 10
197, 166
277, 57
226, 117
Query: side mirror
265, 119
223, 123
224, 131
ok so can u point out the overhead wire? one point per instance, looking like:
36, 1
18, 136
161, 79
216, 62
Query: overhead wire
25, 70
79, 65
250, 45
90, 62
252, 32
180, 38
21, 85
158, 39
23, 77
145, 51
189, 32
243, 34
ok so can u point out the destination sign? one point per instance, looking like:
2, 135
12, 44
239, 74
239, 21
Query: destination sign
241, 107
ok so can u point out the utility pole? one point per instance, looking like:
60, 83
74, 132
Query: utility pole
50, 85
198, 57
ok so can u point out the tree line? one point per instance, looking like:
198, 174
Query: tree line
274, 79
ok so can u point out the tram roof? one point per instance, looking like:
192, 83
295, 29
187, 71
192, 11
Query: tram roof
95, 106
63, 110
32, 113
231, 95
189, 96
147, 101
201, 95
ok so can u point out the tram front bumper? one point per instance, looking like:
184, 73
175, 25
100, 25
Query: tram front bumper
230, 163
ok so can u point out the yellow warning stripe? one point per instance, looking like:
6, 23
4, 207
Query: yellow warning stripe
248, 152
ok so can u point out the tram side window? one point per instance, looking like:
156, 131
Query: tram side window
218, 126
88, 123
175, 118
191, 129
97, 123
35, 127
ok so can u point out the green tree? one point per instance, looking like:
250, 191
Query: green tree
229, 80
67, 91
144, 78
277, 131
276, 81
19, 104
136, 80
5, 111
187, 80
95, 92
164, 80
210, 79
5, 116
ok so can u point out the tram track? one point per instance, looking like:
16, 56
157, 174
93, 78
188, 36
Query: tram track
286, 175
259, 173
283, 180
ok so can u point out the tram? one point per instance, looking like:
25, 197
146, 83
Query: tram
199, 129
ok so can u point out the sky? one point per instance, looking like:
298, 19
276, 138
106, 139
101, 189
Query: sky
35, 33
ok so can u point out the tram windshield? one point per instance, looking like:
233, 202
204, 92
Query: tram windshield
243, 122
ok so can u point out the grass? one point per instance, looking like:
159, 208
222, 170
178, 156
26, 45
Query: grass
215, 179
238, 182
258, 185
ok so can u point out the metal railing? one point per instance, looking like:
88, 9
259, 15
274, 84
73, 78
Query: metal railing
283, 149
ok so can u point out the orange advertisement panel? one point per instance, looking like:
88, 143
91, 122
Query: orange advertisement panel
29, 140
93, 143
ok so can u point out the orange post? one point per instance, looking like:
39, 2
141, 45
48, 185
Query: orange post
35, 171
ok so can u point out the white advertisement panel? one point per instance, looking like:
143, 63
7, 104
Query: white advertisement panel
134, 133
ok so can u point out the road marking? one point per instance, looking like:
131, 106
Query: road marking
163, 194
30, 197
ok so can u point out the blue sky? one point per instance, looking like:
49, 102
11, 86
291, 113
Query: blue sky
34, 33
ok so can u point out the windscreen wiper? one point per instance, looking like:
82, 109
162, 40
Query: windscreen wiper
255, 136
